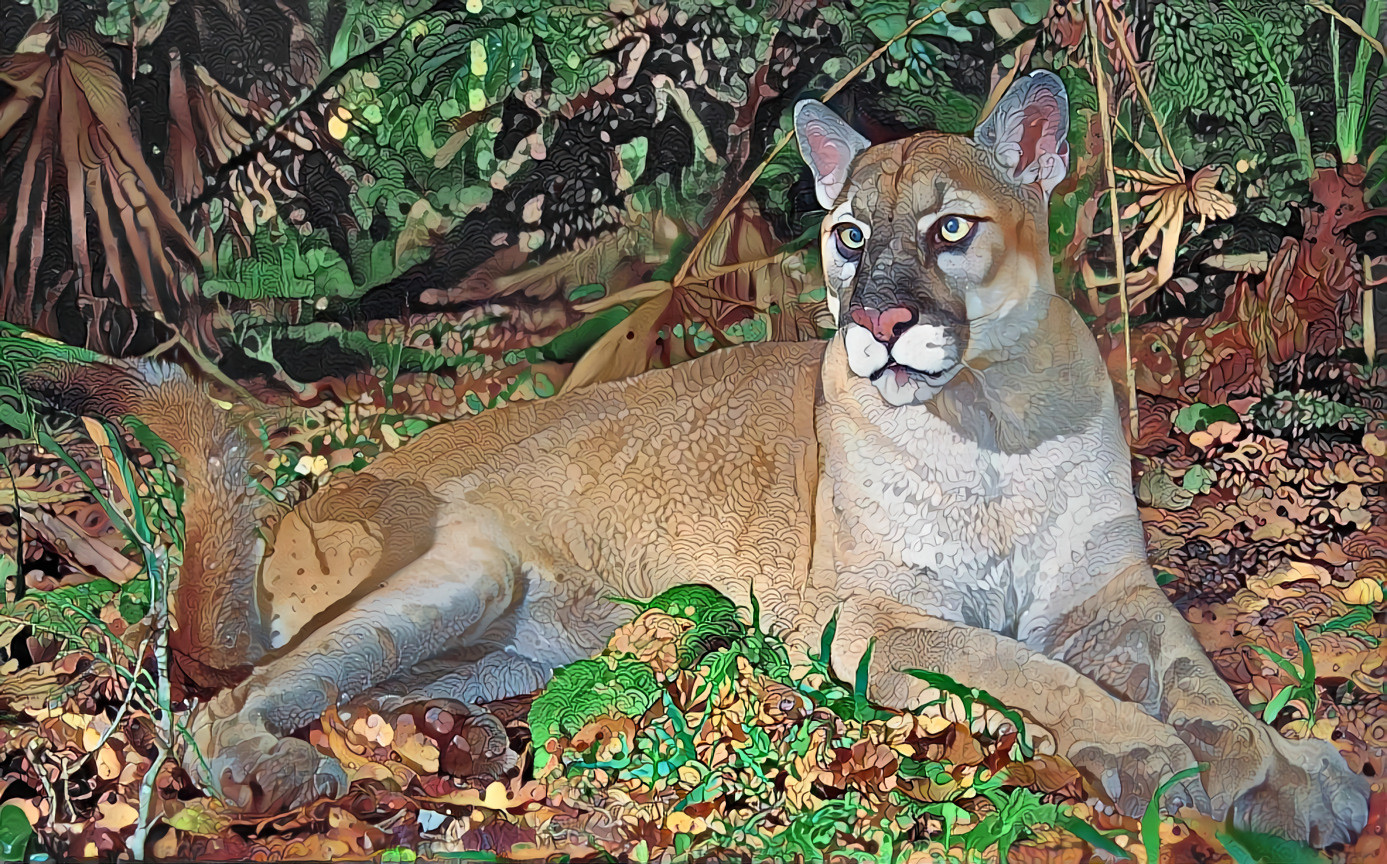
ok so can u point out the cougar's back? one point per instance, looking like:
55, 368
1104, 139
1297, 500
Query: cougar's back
684, 475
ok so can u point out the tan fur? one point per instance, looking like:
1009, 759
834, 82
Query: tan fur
982, 524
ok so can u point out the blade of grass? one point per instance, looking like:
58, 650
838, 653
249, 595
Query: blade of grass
1151, 819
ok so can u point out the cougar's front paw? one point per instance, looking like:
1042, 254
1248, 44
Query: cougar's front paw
1132, 772
259, 772
1309, 795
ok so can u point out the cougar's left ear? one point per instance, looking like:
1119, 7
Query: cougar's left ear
1027, 131
829, 145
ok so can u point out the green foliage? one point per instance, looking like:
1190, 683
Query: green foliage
972, 696
1353, 96
824, 687
1197, 479
1016, 814
583, 691
15, 833
71, 613
1303, 690
1225, 90
1281, 411
1198, 416
1351, 622
22, 349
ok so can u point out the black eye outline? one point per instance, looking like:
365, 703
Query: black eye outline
849, 247
970, 223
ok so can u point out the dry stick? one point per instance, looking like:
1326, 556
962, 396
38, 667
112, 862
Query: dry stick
32, 750
1351, 25
1131, 64
1104, 120
18, 536
742, 190
1369, 313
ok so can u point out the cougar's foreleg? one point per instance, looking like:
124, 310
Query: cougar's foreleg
1132, 640
1127, 751
454, 591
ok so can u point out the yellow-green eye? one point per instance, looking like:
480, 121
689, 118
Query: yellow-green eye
850, 237
954, 228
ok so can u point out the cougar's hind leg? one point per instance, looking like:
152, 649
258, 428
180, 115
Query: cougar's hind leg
455, 591
1134, 642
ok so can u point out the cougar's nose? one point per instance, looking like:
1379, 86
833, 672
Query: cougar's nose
885, 324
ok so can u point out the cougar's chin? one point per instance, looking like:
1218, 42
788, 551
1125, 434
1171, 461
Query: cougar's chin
911, 370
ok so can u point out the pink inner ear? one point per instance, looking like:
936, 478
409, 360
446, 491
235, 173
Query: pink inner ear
1039, 129
830, 155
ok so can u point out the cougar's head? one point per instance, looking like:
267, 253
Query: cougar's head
931, 241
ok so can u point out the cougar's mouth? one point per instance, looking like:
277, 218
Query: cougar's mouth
903, 374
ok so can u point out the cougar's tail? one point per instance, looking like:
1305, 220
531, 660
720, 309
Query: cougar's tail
218, 632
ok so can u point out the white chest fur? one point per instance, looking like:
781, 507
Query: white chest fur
1007, 541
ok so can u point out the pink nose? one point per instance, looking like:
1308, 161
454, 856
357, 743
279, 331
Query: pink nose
883, 324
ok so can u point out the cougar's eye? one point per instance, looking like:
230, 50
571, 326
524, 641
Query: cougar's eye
954, 228
850, 239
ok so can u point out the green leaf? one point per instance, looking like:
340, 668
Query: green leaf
826, 638
863, 669
1151, 819
589, 291
1277, 703
1307, 658
1193, 418
1092, 836
1286, 665
1197, 479
15, 832
573, 343
1253, 847
1355, 616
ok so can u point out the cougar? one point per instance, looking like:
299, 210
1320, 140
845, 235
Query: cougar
948, 471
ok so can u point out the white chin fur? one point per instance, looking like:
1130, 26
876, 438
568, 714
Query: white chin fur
866, 355
910, 392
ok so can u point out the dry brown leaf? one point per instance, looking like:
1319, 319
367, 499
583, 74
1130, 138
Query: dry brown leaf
1165, 199
624, 350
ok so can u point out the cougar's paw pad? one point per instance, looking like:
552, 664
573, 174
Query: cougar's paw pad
1309, 796
1132, 774
287, 774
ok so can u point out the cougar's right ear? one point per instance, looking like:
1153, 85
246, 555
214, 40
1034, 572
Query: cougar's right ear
829, 145
1027, 131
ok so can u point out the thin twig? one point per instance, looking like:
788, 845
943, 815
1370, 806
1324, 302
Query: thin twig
206, 365
119, 716
1369, 313
18, 536
701, 244
30, 750
1131, 64
1104, 120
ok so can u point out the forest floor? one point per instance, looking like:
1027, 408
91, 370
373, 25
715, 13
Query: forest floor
1267, 525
